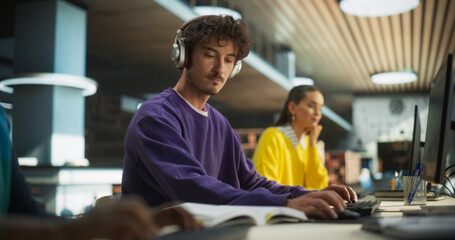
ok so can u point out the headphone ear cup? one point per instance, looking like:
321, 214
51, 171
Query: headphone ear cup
175, 53
236, 70
183, 59
178, 52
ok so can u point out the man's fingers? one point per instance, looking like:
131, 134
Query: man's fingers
319, 208
322, 202
325, 210
345, 192
313, 211
352, 194
333, 199
319, 204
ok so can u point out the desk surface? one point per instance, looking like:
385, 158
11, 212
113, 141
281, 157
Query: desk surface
336, 230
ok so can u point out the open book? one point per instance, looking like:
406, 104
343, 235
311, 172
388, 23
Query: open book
225, 215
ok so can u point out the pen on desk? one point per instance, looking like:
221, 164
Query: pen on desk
410, 188
415, 190
416, 169
414, 183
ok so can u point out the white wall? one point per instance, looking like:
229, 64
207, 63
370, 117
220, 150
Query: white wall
387, 118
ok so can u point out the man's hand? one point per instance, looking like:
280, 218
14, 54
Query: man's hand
318, 204
344, 191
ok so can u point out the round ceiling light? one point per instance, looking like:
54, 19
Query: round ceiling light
393, 77
87, 85
209, 10
297, 81
377, 8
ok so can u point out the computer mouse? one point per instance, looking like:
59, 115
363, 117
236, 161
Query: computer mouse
347, 214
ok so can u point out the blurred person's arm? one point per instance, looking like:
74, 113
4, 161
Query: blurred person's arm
21, 199
126, 219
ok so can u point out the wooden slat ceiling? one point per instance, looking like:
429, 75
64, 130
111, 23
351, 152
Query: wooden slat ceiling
341, 51
128, 48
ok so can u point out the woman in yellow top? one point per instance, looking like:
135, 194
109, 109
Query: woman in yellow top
288, 152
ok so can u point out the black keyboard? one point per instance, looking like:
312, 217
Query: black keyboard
365, 208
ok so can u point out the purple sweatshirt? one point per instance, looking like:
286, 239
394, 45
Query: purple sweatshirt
173, 153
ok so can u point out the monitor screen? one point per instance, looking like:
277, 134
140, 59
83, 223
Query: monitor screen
438, 123
394, 156
415, 145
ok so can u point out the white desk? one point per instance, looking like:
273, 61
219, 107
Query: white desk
335, 230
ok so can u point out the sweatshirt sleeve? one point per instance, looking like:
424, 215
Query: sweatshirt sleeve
165, 163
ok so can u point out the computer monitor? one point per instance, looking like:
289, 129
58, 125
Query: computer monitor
439, 124
415, 144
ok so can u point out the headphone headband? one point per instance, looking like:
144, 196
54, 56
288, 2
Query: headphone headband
185, 24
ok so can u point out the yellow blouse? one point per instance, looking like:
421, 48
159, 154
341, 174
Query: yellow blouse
280, 157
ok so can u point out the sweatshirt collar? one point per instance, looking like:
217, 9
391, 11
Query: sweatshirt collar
203, 113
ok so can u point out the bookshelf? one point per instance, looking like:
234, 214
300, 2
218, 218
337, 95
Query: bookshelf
343, 167
105, 128
249, 138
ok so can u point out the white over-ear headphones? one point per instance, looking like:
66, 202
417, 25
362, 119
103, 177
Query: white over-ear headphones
180, 55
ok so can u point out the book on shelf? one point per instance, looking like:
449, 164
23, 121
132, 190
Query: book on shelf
227, 215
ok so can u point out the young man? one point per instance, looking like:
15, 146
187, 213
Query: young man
179, 148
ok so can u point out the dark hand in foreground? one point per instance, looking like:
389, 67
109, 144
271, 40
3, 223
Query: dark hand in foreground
125, 219
128, 218
176, 216
131, 218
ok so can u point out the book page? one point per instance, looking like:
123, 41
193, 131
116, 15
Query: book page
212, 215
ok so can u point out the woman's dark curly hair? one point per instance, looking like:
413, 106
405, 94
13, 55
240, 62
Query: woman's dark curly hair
223, 27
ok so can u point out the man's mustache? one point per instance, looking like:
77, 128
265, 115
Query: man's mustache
216, 76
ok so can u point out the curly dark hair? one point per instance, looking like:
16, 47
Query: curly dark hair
224, 27
295, 95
